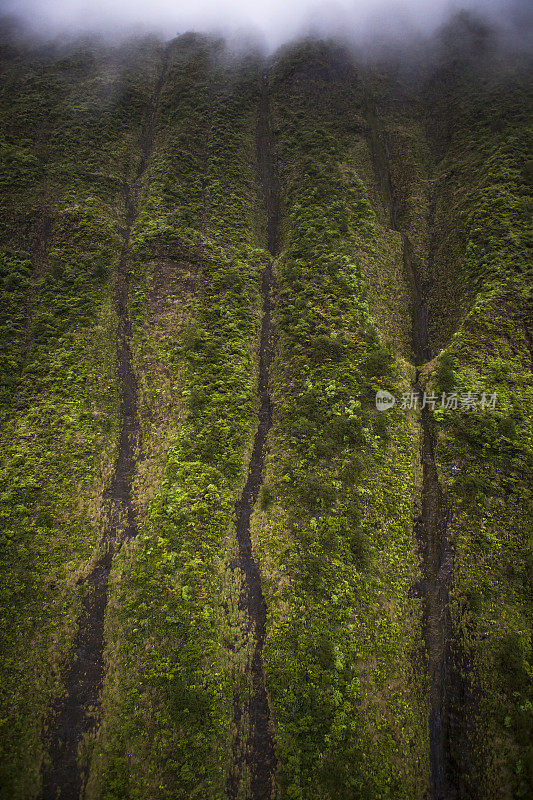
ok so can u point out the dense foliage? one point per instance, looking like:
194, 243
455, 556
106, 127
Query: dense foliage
361, 156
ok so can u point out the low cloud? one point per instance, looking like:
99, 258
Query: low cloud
272, 22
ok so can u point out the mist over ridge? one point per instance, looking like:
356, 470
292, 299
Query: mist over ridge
363, 23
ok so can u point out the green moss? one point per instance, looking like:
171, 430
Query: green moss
333, 536
486, 454
59, 401
194, 241
336, 546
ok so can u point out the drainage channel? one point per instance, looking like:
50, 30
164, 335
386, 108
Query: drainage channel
75, 714
260, 753
432, 526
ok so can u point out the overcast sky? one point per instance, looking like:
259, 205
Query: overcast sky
275, 21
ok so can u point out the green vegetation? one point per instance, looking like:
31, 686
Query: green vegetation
61, 211
336, 542
487, 457
457, 166
360, 156
197, 368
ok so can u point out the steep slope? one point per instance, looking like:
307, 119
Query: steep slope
284, 592
432, 524
335, 535
77, 714
74, 119
484, 458
260, 756
456, 151
198, 367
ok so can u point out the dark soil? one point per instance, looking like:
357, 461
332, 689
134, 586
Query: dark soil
75, 714
431, 529
260, 754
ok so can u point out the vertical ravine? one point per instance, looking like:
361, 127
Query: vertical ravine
260, 753
76, 713
432, 526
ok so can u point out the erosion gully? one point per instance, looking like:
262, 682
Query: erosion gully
447, 732
76, 713
259, 753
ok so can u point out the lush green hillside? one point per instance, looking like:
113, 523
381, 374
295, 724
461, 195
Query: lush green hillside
227, 576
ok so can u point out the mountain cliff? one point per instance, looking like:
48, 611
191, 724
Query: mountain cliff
225, 571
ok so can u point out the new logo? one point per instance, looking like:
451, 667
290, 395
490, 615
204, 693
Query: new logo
384, 400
